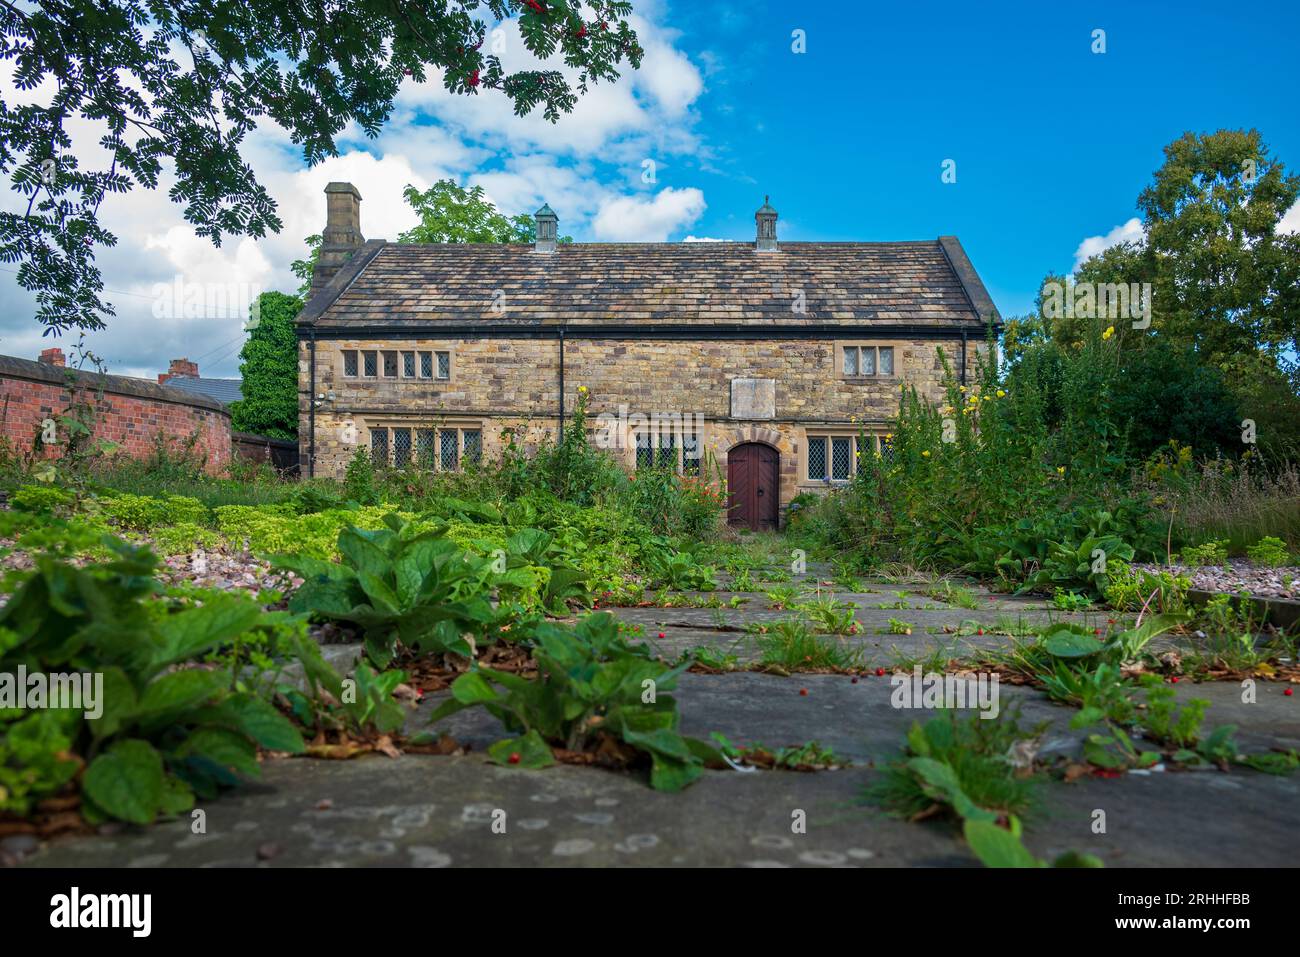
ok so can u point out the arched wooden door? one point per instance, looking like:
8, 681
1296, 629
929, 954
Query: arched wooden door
754, 486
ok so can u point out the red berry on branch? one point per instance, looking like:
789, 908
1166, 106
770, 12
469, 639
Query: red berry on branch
473, 78
514, 757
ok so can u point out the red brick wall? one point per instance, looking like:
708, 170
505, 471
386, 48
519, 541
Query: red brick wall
130, 412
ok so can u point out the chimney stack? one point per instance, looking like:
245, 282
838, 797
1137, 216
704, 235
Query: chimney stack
52, 357
766, 219
342, 234
548, 225
179, 369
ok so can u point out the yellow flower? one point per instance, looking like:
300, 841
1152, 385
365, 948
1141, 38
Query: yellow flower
926, 454
1001, 393
1110, 331
1060, 470
965, 411
582, 388
889, 435
963, 388
986, 399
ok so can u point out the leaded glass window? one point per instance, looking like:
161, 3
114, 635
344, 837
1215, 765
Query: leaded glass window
817, 458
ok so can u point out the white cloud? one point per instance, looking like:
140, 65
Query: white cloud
1129, 232
636, 219
706, 239
520, 161
1290, 223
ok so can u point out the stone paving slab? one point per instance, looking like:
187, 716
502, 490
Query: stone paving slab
421, 810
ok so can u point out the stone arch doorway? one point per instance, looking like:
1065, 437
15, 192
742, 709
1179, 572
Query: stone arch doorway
754, 487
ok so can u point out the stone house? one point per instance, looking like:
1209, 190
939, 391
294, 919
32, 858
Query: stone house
771, 364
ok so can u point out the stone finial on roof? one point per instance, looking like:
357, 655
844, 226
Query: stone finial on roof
766, 219
548, 226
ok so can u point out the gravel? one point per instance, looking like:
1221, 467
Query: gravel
1239, 575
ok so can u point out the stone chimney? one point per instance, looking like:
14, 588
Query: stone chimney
548, 226
766, 219
179, 369
341, 237
52, 357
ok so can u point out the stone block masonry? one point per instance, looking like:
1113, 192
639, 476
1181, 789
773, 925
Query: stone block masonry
129, 412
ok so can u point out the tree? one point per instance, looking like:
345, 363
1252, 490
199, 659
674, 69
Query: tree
184, 82
1225, 310
1229, 283
269, 366
450, 214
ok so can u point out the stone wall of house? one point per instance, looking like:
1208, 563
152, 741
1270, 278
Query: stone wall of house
129, 412
499, 384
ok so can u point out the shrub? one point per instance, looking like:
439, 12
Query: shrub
144, 512
1207, 553
397, 584
1270, 551
43, 499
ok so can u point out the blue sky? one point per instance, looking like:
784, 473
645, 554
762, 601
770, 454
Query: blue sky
1052, 144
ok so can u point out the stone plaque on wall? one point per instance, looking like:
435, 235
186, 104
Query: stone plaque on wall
753, 398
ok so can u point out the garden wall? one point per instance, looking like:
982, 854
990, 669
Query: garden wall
130, 412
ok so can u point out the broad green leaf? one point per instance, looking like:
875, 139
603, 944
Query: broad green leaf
127, 781
192, 631
529, 749
473, 688
257, 719
222, 747
119, 703
1066, 642
997, 847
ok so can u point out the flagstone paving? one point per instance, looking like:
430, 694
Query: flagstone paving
430, 811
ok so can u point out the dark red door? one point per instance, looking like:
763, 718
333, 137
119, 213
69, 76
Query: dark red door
753, 486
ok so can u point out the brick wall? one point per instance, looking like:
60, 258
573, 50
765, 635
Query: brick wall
130, 412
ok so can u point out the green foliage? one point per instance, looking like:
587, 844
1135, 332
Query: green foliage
958, 766
311, 77
450, 214
1164, 721
791, 645
182, 538
359, 479
165, 734
830, 615
591, 688
269, 370
327, 704
680, 571
1207, 553
1270, 551
1070, 601
1129, 589
397, 584
42, 499
36, 758
145, 512
997, 846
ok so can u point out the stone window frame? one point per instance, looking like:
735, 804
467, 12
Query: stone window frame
876, 344
460, 426
400, 353
679, 439
876, 443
